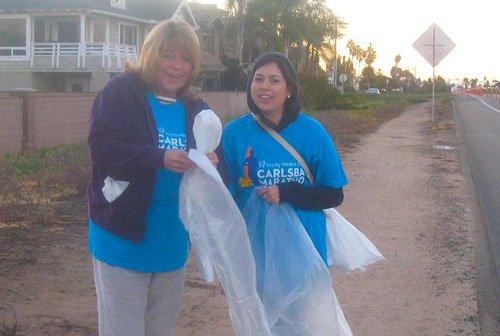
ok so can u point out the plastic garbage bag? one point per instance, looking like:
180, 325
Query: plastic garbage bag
207, 130
292, 279
218, 233
348, 248
113, 188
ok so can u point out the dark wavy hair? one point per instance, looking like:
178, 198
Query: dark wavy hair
292, 104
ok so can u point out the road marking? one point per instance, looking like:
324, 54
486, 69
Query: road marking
479, 135
444, 147
485, 103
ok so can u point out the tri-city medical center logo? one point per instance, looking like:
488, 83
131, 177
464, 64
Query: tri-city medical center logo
266, 173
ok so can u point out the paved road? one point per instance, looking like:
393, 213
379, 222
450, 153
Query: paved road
479, 119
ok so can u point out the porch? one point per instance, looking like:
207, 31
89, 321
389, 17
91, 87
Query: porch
81, 55
69, 42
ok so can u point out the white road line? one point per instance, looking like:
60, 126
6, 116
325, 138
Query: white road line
485, 103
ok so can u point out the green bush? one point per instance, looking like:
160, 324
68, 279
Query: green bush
316, 93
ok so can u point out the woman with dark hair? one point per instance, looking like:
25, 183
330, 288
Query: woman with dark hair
140, 131
254, 159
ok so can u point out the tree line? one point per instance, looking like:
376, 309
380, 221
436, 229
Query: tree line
308, 32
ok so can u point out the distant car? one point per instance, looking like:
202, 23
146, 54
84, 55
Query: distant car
373, 91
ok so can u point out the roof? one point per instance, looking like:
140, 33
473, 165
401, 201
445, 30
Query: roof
207, 14
156, 10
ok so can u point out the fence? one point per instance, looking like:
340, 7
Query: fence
46, 119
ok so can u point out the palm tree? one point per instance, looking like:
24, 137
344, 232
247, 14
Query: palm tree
360, 55
351, 46
397, 59
371, 55
339, 27
466, 82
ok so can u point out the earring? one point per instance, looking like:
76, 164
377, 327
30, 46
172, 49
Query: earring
288, 96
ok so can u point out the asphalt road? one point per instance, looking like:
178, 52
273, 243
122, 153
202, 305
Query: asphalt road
479, 122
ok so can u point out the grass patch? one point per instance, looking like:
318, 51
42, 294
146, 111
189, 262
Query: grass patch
358, 114
32, 182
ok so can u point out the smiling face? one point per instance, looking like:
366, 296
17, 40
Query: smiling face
269, 91
175, 68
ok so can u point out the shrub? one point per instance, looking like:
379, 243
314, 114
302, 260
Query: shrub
316, 93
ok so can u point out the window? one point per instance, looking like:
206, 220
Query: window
128, 34
68, 31
209, 84
207, 41
13, 37
99, 34
118, 3
77, 87
39, 30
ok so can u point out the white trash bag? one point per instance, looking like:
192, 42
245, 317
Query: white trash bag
113, 188
348, 249
218, 233
292, 279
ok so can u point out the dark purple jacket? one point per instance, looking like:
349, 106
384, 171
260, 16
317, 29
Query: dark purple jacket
123, 144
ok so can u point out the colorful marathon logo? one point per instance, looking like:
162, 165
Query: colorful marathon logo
267, 173
249, 167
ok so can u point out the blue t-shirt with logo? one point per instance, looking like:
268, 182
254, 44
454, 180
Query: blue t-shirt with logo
255, 159
165, 245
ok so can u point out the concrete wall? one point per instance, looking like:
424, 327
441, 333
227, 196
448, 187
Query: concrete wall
60, 118
52, 119
11, 124
227, 105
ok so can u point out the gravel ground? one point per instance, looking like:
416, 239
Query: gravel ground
406, 196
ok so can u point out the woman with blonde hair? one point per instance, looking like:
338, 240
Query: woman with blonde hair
140, 130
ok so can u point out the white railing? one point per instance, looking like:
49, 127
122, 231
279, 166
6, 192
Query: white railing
13, 51
81, 51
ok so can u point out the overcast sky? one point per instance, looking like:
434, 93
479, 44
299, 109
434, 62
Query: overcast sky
393, 25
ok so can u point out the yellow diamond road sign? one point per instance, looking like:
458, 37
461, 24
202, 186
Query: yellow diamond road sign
434, 45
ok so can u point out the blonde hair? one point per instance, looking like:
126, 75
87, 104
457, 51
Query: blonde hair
168, 35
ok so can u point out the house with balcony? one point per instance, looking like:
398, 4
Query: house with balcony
210, 20
75, 45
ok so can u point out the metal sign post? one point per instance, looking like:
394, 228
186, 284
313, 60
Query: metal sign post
343, 79
433, 45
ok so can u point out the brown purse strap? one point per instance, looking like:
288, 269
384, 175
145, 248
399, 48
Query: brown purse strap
286, 146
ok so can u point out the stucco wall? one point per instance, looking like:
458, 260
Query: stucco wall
53, 119
11, 124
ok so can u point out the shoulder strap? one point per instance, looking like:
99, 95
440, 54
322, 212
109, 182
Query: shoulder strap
286, 146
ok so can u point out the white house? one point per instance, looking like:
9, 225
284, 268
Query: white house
75, 45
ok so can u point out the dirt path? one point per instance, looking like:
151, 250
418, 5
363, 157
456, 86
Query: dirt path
409, 199
406, 196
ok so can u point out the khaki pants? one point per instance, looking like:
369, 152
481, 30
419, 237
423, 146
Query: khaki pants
133, 303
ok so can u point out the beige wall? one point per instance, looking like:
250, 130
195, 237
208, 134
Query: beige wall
11, 124
61, 118
227, 105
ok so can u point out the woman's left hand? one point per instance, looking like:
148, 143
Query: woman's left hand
213, 158
270, 194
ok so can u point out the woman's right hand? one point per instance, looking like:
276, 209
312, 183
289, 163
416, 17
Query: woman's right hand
177, 160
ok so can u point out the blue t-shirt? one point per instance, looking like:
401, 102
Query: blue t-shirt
165, 245
255, 159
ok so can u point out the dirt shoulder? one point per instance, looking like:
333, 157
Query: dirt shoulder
410, 199
407, 197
